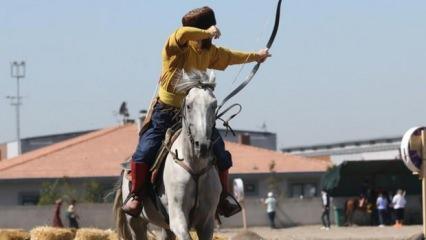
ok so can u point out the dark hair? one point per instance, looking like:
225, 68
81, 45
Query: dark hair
200, 18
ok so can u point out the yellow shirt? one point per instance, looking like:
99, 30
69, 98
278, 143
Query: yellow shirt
181, 52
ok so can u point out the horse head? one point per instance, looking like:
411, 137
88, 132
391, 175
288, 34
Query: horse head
198, 110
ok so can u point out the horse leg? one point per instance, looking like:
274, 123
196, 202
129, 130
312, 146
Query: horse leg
167, 235
205, 231
138, 228
179, 223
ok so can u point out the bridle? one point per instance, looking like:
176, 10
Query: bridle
186, 124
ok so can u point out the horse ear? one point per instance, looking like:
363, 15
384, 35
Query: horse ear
212, 77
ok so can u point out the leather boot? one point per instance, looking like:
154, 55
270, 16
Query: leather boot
133, 203
228, 205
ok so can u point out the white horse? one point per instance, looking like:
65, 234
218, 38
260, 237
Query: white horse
190, 186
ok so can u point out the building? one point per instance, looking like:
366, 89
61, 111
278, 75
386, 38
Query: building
10, 149
94, 159
366, 167
97, 156
362, 150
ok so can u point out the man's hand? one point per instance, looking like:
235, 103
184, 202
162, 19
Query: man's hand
263, 55
214, 32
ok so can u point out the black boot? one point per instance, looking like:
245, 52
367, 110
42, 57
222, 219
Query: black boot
228, 205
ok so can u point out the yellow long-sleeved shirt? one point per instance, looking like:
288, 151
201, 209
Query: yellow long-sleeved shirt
181, 52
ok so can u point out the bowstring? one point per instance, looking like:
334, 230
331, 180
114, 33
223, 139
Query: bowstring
262, 31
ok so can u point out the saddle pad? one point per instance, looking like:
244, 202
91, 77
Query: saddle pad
126, 165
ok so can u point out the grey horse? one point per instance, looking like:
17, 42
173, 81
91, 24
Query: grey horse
190, 187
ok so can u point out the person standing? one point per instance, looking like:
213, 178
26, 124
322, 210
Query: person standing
382, 208
399, 203
271, 206
72, 215
325, 216
57, 221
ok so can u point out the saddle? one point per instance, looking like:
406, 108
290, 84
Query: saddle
171, 135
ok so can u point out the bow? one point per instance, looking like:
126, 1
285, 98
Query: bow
256, 67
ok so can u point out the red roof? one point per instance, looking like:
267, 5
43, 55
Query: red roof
99, 154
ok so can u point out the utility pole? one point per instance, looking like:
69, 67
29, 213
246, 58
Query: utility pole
17, 70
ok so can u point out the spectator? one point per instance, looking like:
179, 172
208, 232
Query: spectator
349, 211
72, 215
399, 203
388, 197
382, 208
325, 217
271, 206
57, 222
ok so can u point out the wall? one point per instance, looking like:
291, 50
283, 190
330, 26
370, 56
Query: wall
290, 212
33, 143
11, 191
266, 140
261, 182
27, 217
3, 151
12, 149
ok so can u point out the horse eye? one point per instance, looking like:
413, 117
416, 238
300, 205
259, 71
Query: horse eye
188, 107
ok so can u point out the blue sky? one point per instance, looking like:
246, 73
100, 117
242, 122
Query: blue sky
341, 70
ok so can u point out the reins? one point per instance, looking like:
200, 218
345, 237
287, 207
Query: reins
195, 175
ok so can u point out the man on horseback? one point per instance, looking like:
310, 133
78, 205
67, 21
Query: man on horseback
187, 49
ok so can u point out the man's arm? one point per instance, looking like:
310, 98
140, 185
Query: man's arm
185, 34
223, 57
178, 40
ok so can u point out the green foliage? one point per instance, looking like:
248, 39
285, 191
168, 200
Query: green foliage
63, 188
48, 194
93, 192
273, 181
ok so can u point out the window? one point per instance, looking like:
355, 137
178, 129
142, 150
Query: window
309, 190
296, 190
250, 189
303, 190
29, 198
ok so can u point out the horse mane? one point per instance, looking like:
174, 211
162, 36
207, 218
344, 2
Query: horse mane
193, 79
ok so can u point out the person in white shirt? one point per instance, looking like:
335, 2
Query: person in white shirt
382, 207
72, 215
271, 206
325, 216
399, 203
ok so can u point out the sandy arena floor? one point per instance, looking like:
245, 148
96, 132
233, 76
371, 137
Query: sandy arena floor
340, 233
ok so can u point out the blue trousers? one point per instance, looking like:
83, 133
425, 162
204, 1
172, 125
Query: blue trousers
163, 117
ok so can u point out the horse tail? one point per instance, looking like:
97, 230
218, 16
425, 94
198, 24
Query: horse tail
122, 228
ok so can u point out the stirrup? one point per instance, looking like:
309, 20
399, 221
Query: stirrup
135, 197
232, 206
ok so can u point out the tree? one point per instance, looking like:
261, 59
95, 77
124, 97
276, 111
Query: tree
93, 192
273, 181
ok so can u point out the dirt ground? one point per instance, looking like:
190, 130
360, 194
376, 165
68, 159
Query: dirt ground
335, 233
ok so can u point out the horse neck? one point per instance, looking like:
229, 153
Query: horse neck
188, 151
